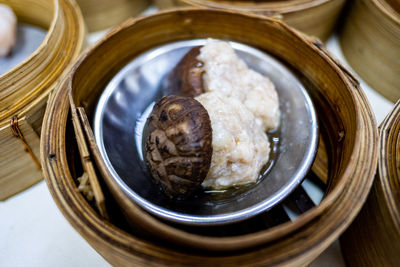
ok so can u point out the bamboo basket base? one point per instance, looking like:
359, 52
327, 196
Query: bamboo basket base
24, 167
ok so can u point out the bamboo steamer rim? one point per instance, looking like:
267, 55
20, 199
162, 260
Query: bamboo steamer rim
387, 10
314, 217
388, 165
66, 14
304, 218
328, 200
277, 6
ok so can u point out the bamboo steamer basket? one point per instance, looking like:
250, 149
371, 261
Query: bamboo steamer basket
313, 17
370, 41
376, 230
24, 89
103, 14
346, 122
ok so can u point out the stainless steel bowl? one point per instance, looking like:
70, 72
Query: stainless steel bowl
128, 99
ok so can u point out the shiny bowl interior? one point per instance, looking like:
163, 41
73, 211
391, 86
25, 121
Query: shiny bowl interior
128, 99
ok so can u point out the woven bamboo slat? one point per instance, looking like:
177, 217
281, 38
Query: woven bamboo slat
370, 40
102, 14
313, 17
346, 122
24, 89
376, 230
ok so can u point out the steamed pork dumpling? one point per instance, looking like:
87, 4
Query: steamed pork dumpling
8, 30
227, 74
240, 146
242, 105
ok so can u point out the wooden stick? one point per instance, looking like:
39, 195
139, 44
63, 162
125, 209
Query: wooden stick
87, 163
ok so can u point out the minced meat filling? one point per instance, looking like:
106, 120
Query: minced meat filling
242, 105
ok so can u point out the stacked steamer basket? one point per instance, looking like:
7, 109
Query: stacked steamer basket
371, 44
370, 40
375, 232
24, 89
346, 125
102, 14
314, 17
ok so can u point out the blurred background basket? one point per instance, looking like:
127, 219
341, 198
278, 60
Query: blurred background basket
103, 14
25, 88
314, 17
375, 233
370, 41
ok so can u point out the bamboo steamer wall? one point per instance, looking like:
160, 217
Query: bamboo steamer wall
349, 132
370, 41
313, 17
376, 231
24, 89
102, 14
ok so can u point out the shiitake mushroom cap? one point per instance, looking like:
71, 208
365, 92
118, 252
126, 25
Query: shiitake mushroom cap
186, 79
179, 144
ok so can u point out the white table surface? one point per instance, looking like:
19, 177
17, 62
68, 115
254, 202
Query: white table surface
33, 231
